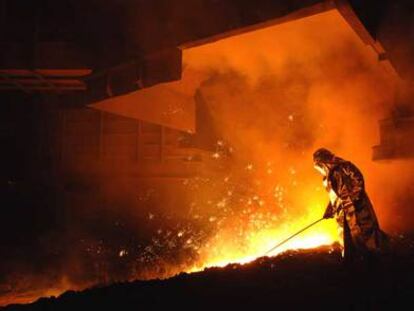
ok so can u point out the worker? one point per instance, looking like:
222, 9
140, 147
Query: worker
361, 237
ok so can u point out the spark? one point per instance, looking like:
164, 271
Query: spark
216, 155
123, 252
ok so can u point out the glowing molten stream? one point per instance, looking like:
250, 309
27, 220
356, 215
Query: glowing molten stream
262, 241
227, 248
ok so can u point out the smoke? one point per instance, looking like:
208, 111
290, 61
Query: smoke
274, 95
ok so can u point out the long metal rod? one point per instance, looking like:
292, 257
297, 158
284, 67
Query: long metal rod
292, 236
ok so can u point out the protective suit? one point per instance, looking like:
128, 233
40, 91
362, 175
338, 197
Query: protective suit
350, 205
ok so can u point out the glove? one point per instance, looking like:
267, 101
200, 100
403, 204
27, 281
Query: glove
329, 212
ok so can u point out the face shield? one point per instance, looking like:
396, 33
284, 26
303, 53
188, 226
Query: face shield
320, 168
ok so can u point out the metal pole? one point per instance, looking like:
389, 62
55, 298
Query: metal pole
292, 236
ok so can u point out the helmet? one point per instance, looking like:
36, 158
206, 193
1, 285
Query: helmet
323, 155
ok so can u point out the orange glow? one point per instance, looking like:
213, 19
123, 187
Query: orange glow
276, 95
230, 245
26, 295
259, 242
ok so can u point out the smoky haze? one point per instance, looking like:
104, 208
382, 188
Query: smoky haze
274, 95
279, 93
295, 87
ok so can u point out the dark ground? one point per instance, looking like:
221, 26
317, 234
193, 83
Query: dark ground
296, 280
